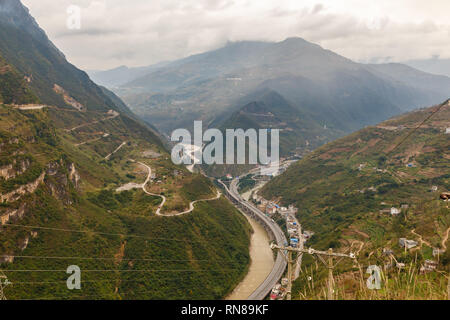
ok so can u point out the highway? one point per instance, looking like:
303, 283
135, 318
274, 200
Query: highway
280, 263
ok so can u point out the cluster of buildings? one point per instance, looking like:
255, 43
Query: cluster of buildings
428, 266
279, 291
294, 230
270, 208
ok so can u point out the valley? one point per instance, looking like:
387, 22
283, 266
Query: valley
354, 207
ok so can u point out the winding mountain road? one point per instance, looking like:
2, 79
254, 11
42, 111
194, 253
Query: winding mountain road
112, 115
117, 149
164, 199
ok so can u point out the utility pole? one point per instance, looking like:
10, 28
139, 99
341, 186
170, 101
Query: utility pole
329, 263
448, 288
289, 263
4, 282
330, 284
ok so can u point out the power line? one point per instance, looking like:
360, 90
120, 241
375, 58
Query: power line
408, 136
100, 233
122, 270
88, 296
107, 259
421, 124
287, 254
4, 282
82, 281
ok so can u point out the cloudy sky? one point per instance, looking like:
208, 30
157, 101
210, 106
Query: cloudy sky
143, 32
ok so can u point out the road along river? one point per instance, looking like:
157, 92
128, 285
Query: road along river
260, 266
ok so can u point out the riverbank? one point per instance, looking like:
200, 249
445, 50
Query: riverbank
260, 266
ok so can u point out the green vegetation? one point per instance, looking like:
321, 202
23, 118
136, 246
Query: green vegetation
75, 216
202, 255
345, 190
13, 88
246, 183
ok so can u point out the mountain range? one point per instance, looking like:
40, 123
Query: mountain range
435, 65
329, 90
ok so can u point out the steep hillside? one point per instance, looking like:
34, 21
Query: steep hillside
345, 190
81, 183
25, 45
14, 88
333, 90
59, 200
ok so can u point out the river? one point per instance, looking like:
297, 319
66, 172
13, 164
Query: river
260, 266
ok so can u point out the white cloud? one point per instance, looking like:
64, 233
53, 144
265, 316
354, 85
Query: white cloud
142, 32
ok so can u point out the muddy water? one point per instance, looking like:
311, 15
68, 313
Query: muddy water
260, 266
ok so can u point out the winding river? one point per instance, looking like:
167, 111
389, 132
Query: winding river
260, 266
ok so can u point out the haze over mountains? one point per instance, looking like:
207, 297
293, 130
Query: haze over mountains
434, 65
333, 91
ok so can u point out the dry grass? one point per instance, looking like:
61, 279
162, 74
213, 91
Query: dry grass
398, 284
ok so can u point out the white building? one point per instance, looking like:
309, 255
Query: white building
447, 131
395, 211
408, 244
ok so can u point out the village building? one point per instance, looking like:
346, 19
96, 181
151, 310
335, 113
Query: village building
428, 266
408, 244
392, 211
271, 209
307, 234
438, 252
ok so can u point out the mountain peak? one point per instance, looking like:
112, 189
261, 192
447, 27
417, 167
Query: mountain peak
14, 13
297, 41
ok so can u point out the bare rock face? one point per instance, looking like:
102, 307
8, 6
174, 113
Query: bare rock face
74, 176
12, 170
68, 99
22, 190
59, 181
13, 215
6, 259
7, 172
23, 244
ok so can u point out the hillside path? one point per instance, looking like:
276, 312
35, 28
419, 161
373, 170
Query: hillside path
117, 149
164, 199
